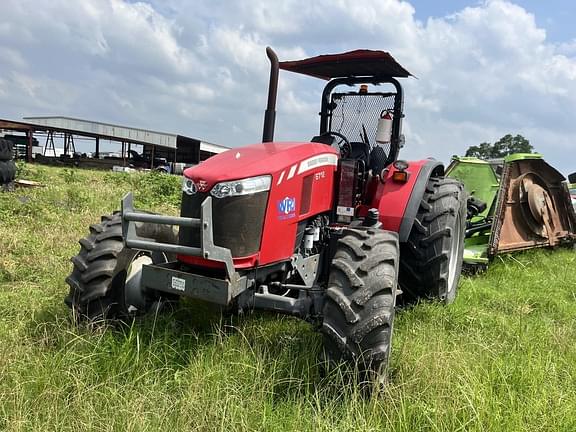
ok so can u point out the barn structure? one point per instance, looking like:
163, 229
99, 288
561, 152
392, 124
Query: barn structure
35, 137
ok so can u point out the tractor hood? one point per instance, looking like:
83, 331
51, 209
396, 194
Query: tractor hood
254, 160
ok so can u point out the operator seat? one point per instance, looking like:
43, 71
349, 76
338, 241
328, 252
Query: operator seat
360, 149
378, 159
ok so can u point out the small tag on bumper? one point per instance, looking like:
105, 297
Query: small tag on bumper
178, 284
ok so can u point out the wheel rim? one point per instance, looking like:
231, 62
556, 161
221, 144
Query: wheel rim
455, 248
133, 295
136, 264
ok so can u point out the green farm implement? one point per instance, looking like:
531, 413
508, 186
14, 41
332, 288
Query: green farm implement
516, 203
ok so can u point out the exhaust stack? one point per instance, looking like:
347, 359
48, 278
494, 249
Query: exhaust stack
270, 113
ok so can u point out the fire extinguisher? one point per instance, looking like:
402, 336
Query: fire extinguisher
384, 129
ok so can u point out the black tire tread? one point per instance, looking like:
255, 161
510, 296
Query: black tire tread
7, 171
98, 274
425, 255
6, 150
94, 268
359, 305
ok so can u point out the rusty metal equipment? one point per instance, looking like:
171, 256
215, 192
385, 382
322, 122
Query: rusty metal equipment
527, 201
534, 207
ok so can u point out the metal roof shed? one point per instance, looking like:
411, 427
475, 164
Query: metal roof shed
107, 130
176, 148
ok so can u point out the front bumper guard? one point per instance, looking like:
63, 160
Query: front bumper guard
207, 249
168, 277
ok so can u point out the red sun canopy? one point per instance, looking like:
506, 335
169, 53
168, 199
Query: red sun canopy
358, 63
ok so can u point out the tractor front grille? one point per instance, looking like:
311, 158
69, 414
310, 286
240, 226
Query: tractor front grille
237, 221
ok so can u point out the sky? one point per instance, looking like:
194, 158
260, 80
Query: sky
198, 68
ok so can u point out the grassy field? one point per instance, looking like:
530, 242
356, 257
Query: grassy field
502, 357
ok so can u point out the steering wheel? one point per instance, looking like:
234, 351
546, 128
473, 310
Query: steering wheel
341, 141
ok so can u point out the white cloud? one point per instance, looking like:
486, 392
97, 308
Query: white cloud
12, 59
199, 68
490, 72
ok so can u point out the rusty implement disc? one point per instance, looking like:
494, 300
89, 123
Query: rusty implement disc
533, 208
537, 198
534, 200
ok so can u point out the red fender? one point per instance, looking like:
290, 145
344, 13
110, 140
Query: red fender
398, 203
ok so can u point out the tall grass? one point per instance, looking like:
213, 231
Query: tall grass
502, 357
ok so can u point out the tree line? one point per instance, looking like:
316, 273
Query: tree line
506, 145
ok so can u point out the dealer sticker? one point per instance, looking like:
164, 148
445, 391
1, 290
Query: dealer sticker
178, 284
286, 208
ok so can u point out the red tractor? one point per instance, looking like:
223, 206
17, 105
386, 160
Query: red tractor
326, 230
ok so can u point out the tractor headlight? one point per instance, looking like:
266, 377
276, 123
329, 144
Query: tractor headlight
188, 186
241, 187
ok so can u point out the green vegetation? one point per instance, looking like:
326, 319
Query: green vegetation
505, 146
502, 357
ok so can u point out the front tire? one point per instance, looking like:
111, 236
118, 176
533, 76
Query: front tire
432, 256
358, 312
104, 283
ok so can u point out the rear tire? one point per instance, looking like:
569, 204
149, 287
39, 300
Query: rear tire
432, 257
359, 306
98, 282
6, 150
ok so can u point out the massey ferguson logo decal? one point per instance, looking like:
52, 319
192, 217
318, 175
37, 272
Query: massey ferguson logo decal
286, 208
202, 185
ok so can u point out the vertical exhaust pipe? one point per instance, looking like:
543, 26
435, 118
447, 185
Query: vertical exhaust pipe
270, 113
